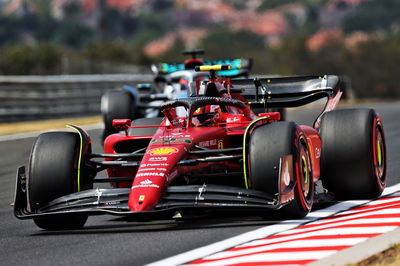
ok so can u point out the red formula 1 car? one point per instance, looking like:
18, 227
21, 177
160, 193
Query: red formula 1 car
209, 153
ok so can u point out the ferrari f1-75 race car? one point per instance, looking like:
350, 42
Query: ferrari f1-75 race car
210, 154
171, 81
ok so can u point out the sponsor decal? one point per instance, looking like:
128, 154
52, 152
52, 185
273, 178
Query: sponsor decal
232, 120
208, 143
163, 151
153, 164
220, 144
152, 169
141, 198
150, 174
110, 203
146, 169
179, 134
317, 153
172, 140
214, 108
145, 183
286, 174
157, 159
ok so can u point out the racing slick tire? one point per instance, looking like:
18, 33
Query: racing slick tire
145, 130
353, 157
53, 173
268, 143
116, 104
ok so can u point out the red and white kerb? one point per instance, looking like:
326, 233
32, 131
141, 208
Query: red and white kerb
315, 240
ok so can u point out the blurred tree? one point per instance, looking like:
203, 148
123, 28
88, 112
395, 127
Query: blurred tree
113, 51
374, 68
47, 58
138, 55
9, 29
16, 60
175, 53
42, 58
154, 22
269, 4
72, 10
160, 5
291, 57
46, 27
373, 15
223, 43
238, 4
72, 34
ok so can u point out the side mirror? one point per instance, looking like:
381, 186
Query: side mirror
121, 124
144, 87
274, 116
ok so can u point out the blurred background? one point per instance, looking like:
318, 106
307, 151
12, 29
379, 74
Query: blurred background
356, 38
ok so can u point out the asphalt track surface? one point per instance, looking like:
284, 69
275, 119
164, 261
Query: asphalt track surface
106, 240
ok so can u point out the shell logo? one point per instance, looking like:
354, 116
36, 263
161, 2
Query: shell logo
163, 151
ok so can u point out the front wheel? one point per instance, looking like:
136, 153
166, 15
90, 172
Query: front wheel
53, 173
268, 143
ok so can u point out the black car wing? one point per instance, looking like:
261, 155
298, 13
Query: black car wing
287, 91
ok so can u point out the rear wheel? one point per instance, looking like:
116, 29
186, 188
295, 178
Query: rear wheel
268, 143
353, 159
53, 172
116, 104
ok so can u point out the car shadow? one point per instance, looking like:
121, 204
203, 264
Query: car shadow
120, 225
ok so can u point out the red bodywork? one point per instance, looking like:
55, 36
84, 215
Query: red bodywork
176, 136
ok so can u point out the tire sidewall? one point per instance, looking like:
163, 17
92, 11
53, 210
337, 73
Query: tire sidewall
52, 169
349, 151
286, 139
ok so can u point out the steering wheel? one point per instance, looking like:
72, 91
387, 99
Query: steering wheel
204, 119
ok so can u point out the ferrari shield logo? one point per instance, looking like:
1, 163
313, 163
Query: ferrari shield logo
220, 144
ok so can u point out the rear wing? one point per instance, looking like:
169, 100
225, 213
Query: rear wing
239, 67
286, 91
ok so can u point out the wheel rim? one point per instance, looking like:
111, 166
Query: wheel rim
379, 156
305, 173
305, 179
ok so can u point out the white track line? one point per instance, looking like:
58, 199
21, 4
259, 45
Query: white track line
266, 231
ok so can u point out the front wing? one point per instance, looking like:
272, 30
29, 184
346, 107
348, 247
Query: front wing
114, 201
